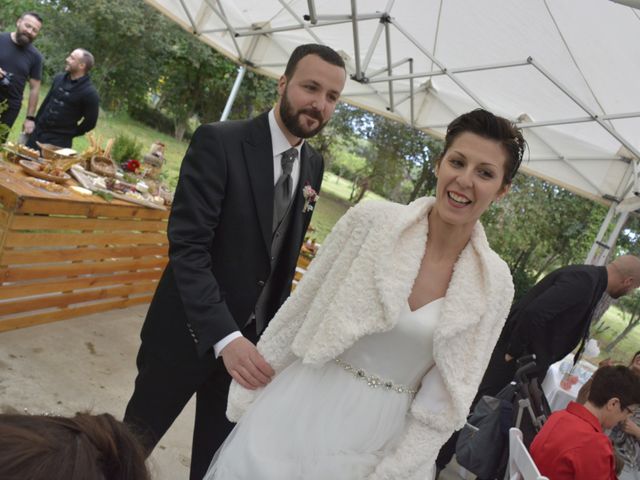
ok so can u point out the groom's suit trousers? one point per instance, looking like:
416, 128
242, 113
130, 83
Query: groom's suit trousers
163, 388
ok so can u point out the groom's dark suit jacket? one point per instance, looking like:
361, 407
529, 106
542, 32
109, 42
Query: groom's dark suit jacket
220, 233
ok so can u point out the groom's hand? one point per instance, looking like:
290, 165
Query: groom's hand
245, 364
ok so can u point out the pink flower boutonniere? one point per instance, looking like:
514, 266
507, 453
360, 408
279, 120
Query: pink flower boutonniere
310, 197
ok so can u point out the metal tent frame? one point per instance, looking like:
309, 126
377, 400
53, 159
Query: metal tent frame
387, 83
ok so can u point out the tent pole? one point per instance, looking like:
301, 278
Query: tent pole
234, 92
356, 40
613, 238
313, 18
597, 243
411, 94
387, 36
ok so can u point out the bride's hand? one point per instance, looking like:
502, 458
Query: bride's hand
245, 364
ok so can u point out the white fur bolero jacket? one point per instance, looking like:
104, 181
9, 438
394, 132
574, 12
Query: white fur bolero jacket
359, 283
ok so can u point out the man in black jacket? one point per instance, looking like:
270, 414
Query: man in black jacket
550, 321
239, 216
70, 109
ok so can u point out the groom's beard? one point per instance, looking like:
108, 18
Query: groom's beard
291, 118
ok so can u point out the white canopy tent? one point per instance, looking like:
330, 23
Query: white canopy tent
566, 70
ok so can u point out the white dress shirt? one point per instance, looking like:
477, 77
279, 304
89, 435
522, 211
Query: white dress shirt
279, 144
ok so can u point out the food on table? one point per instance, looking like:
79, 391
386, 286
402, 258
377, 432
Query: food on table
49, 151
142, 187
27, 152
81, 190
45, 185
46, 171
119, 186
67, 152
55, 169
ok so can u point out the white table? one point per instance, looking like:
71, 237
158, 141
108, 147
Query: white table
557, 396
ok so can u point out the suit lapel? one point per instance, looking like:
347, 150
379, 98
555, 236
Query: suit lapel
258, 157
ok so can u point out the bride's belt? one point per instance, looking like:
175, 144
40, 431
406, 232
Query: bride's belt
374, 381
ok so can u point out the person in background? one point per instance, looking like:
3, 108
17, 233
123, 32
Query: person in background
625, 443
550, 321
572, 444
70, 109
20, 62
84, 447
626, 436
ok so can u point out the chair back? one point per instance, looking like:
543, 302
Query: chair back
521, 465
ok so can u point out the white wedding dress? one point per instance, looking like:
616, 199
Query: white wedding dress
335, 421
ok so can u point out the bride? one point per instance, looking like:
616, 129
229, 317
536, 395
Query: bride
380, 349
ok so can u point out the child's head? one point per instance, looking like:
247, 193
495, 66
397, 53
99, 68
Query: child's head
83, 447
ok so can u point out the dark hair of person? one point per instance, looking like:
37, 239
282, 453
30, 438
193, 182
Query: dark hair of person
32, 14
327, 54
634, 357
87, 59
487, 125
616, 381
96, 447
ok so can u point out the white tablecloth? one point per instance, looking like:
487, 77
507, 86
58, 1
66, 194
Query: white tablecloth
558, 397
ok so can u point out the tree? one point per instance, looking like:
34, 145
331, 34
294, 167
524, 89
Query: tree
538, 227
630, 305
341, 132
127, 37
191, 66
401, 160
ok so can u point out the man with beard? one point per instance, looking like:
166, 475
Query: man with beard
70, 109
239, 216
551, 320
20, 61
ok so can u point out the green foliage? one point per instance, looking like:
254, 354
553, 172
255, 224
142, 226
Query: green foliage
125, 147
4, 128
156, 119
346, 162
539, 227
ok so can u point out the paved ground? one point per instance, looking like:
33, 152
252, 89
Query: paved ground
88, 363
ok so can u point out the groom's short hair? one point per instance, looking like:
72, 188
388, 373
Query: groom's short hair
327, 54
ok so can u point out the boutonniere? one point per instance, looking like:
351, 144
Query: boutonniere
310, 197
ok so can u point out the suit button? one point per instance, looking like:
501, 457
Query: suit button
260, 283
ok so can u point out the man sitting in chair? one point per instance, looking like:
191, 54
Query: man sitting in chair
572, 444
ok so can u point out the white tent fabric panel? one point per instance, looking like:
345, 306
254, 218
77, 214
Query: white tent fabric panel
566, 70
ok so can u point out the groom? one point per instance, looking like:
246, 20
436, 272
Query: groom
238, 220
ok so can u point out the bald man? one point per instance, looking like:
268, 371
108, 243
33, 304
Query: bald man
550, 321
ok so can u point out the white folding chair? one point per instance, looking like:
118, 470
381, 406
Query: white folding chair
521, 465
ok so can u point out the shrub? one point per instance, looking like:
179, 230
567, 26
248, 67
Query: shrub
124, 148
155, 118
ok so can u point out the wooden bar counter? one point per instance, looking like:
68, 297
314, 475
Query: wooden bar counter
63, 255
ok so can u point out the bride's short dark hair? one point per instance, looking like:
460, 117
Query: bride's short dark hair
487, 125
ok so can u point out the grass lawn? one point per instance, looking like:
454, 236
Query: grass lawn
615, 320
333, 203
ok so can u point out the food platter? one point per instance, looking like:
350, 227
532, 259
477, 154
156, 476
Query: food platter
96, 183
14, 155
49, 187
33, 169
